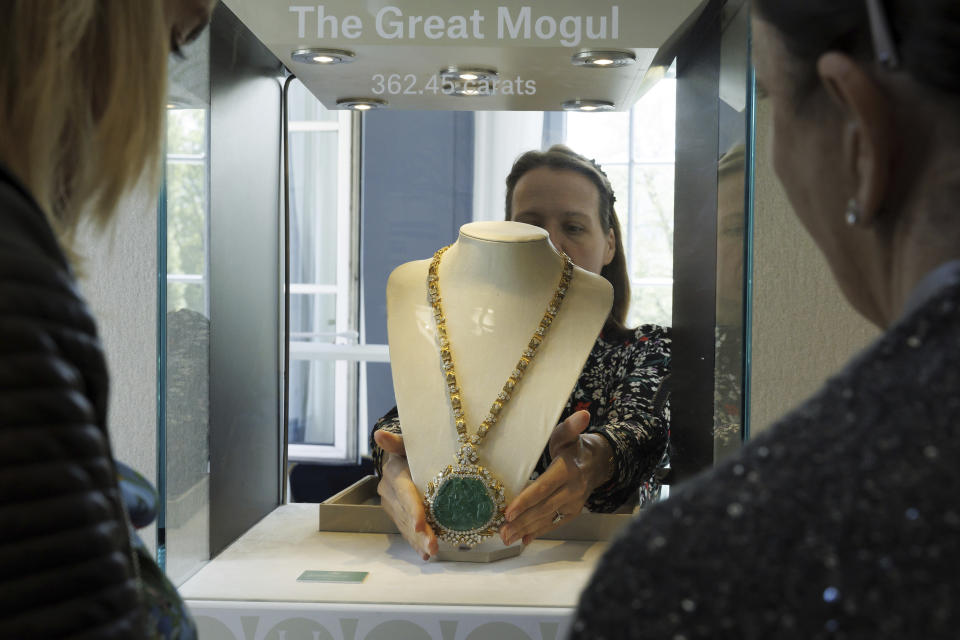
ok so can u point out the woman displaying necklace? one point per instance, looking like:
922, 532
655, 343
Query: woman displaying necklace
610, 438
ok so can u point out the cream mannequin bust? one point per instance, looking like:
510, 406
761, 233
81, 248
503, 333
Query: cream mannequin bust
495, 283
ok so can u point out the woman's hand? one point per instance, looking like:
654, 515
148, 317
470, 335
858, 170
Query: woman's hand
581, 463
400, 498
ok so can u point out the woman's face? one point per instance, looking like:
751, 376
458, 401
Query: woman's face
730, 218
566, 204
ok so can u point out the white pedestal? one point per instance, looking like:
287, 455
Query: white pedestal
250, 591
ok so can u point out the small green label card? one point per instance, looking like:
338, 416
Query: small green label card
354, 577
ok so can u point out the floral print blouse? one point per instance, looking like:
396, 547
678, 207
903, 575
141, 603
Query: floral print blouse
618, 386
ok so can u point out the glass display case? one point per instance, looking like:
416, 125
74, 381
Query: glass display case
282, 216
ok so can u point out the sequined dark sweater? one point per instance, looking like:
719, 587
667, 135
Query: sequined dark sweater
617, 385
841, 521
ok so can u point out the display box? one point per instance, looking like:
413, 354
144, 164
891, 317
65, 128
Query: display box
357, 509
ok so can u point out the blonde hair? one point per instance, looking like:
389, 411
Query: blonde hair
82, 86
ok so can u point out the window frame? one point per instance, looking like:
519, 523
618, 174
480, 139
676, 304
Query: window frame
202, 159
347, 352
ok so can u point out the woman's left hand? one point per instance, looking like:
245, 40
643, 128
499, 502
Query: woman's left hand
581, 463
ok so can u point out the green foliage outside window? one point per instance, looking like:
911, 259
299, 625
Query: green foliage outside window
186, 206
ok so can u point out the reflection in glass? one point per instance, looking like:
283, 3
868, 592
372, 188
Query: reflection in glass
313, 422
636, 149
184, 524
316, 320
186, 181
733, 186
313, 152
600, 136
185, 295
655, 115
729, 334
187, 411
651, 244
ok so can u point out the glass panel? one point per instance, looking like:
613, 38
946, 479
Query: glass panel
651, 245
654, 122
734, 176
652, 222
313, 316
184, 522
651, 304
636, 151
312, 402
186, 217
322, 393
602, 136
313, 207
187, 410
652, 251
186, 133
186, 295
305, 109
313, 189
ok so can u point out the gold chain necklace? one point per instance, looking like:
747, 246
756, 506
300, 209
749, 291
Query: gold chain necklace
465, 502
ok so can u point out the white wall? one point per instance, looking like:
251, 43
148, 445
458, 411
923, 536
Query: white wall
803, 329
118, 279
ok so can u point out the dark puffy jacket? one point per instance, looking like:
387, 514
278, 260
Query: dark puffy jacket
66, 564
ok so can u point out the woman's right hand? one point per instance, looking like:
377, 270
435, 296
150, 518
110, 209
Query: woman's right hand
400, 498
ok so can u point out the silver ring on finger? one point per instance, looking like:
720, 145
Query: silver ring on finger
557, 517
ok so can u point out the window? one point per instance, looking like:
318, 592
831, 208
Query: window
640, 166
325, 348
186, 193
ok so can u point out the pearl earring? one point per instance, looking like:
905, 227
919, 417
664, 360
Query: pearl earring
853, 212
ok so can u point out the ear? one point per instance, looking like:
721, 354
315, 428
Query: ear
611, 247
869, 136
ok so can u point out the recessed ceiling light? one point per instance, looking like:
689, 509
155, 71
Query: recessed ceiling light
468, 81
455, 73
603, 59
316, 55
361, 104
588, 105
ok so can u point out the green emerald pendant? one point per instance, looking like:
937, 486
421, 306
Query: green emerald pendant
463, 504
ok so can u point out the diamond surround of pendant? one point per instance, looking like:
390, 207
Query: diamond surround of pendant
465, 504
